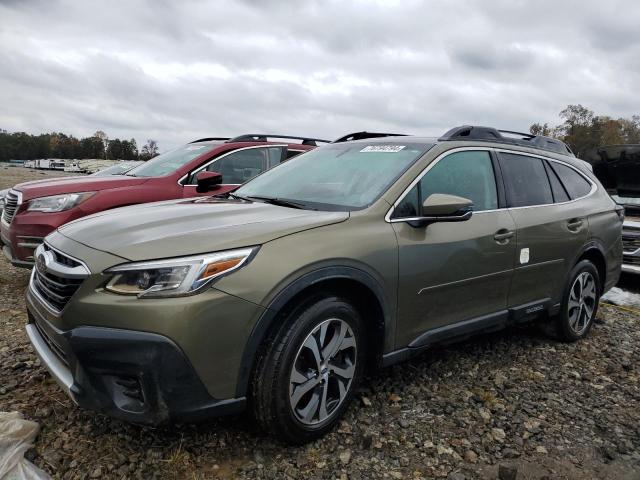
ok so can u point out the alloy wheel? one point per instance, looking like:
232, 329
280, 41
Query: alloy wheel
322, 371
582, 303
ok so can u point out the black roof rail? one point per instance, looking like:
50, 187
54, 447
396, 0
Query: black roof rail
261, 137
209, 139
362, 135
489, 134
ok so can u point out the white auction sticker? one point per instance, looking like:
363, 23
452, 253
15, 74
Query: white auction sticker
383, 148
524, 256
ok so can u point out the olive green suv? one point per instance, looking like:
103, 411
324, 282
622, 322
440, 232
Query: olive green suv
359, 253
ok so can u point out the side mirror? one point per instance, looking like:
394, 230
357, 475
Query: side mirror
207, 181
440, 207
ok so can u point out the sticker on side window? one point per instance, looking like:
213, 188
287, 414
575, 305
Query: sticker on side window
383, 148
195, 147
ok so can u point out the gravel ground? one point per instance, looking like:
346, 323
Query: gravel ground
511, 402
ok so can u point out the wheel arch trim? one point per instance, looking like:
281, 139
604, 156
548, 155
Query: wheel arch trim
270, 314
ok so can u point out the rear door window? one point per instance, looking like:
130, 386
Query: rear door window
526, 181
577, 186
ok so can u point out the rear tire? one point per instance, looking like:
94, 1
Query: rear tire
308, 370
579, 303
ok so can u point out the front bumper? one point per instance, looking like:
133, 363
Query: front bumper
135, 376
27, 230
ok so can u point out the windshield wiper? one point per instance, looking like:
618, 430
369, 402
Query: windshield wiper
235, 195
281, 202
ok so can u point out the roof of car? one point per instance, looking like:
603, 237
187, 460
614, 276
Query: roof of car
263, 138
468, 133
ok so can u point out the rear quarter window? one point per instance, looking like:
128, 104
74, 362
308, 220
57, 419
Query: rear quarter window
576, 185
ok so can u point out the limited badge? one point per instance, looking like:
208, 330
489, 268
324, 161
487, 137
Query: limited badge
383, 148
524, 255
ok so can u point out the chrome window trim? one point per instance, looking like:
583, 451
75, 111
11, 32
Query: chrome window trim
226, 154
388, 218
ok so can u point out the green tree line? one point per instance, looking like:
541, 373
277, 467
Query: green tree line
583, 130
23, 146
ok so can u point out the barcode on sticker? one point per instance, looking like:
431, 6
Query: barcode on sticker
383, 148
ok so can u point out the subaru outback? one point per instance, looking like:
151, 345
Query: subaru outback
204, 166
278, 295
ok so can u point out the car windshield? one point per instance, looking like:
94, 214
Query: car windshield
342, 176
169, 162
115, 169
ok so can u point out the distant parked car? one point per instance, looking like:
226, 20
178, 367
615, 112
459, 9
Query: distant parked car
203, 167
119, 169
618, 168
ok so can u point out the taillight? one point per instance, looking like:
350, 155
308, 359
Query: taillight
620, 212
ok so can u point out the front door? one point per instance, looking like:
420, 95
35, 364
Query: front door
453, 272
236, 167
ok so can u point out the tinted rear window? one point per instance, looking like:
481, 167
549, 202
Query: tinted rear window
577, 186
526, 180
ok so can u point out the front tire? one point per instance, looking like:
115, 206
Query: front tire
308, 370
579, 303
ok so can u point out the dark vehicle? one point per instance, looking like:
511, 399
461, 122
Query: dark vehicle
280, 294
618, 168
202, 167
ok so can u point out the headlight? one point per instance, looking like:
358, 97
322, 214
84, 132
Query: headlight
175, 277
58, 203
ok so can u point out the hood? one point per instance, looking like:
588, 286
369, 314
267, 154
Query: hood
56, 186
187, 227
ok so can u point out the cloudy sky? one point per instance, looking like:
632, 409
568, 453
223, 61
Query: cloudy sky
178, 70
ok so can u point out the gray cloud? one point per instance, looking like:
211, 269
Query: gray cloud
175, 71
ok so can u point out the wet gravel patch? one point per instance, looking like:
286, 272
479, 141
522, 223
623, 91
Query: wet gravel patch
512, 402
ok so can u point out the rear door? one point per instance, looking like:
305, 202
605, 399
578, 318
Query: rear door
551, 227
458, 271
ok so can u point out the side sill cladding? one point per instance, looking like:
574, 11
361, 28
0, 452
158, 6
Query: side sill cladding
270, 315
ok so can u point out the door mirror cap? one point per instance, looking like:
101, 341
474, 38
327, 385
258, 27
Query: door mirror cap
441, 207
208, 181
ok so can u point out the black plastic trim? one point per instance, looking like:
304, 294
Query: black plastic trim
466, 328
139, 377
270, 314
460, 329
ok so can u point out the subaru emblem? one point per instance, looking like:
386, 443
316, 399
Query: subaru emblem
41, 264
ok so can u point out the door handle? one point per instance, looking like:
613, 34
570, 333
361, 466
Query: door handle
575, 224
503, 235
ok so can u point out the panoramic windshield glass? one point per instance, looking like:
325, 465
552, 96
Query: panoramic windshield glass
342, 176
169, 162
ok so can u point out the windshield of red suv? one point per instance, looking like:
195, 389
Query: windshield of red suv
342, 176
169, 162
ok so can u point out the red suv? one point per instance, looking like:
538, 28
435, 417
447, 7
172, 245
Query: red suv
205, 166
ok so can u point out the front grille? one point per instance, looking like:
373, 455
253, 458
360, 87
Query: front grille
630, 243
53, 346
10, 207
629, 260
58, 279
57, 291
